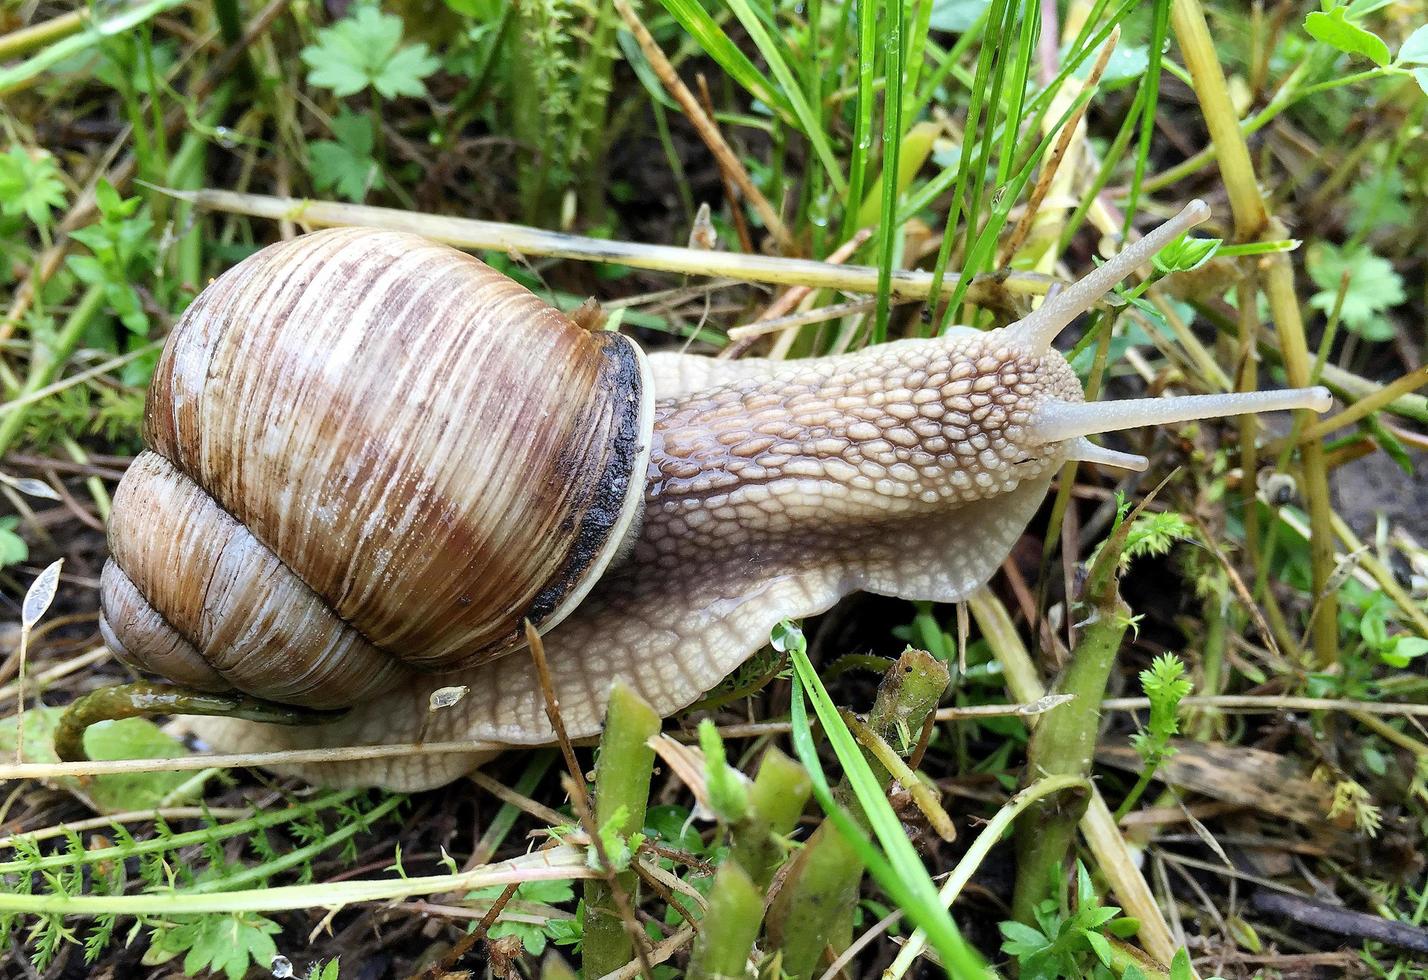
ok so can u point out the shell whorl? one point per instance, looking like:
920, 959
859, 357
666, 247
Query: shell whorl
369, 452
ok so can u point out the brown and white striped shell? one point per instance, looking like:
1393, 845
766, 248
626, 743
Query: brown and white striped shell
369, 450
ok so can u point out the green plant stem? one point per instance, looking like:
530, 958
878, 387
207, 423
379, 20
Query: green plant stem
730, 926
909, 691
813, 910
123, 852
776, 801
1212, 657
261, 872
896, 866
1147, 773
46, 364
1253, 221
892, 146
622, 785
1064, 744
1107, 845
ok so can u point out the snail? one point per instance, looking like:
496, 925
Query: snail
373, 459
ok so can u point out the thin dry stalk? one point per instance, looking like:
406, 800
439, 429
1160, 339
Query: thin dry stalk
728, 160
580, 799
792, 297
819, 314
1057, 154
503, 237
731, 193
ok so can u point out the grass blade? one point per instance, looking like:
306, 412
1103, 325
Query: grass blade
807, 120
717, 45
897, 868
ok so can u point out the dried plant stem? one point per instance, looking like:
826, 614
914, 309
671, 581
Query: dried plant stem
731, 195
501, 237
729, 163
1350, 385
818, 314
1255, 704
560, 863
793, 297
1253, 222
27, 39
659, 954
1360, 409
357, 753
985, 612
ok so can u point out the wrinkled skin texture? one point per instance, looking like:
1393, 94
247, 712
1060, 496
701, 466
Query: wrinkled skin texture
773, 490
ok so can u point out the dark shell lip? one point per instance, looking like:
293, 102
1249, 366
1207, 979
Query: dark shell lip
619, 502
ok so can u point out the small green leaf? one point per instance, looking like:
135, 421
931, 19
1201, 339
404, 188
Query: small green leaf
30, 184
1374, 287
1336, 30
1185, 253
1415, 48
365, 51
346, 164
1378, 201
13, 548
1020, 939
228, 944
1100, 945
1400, 651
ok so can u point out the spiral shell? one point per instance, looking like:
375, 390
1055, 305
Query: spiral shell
369, 454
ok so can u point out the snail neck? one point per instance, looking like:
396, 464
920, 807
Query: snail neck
822, 452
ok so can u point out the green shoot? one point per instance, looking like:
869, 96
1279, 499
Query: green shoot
1068, 945
1166, 685
728, 796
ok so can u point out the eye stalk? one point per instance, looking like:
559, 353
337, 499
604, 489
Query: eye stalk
1058, 421
1036, 331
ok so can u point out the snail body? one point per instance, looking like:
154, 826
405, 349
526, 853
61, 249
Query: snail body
375, 458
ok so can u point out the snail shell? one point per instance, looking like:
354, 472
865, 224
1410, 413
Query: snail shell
369, 451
